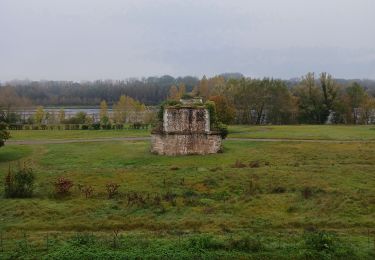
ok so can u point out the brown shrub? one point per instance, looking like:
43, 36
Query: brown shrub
252, 188
216, 169
112, 189
208, 210
307, 192
254, 164
239, 164
170, 197
278, 189
62, 186
88, 191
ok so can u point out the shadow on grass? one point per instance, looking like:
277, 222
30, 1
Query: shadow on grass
12, 153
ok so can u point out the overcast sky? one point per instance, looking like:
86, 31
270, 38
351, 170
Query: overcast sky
117, 39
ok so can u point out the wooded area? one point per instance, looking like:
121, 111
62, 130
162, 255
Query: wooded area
311, 99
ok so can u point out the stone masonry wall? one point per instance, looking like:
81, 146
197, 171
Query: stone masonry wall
178, 144
185, 131
186, 120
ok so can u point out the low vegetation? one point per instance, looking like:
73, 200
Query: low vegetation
19, 183
277, 200
295, 132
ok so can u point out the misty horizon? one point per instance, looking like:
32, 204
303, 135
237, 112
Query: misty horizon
91, 40
20, 80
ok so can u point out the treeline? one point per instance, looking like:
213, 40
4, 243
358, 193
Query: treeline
312, 100
125, 111
150, 91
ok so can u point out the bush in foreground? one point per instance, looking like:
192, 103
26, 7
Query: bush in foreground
326, 245
19, 184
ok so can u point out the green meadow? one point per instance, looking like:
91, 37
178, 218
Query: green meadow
305, 132
255, 200
76, 134
308, 132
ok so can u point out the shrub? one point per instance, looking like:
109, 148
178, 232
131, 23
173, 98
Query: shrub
19, 184
170, 197
107, 126
4, 134
239, 164
205, 242
135, 198
62, 186
157, 200
80, 239
216, 125
88, 191
209, 182
211, 107
307, 192
252, 188
137, 125
254, 164
326, 245
78, 118
95, 126
246, 244
223, 129
112, 189
190, 198
218, 168
119, 126
278, 189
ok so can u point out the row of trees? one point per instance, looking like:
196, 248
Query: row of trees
149, 91
324, 99
126, 110
313, 100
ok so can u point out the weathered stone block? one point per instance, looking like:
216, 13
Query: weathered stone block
184, 144
185, 130
186, 120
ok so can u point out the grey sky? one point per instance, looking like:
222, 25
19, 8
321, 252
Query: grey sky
100, 39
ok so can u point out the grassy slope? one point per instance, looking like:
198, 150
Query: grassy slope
342, 177
324, 132
227, 199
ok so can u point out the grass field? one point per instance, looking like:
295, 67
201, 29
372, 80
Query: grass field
314, 132
76, 134
195, 206
309, 132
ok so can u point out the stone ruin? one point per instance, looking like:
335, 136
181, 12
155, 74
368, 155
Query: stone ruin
185, 129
